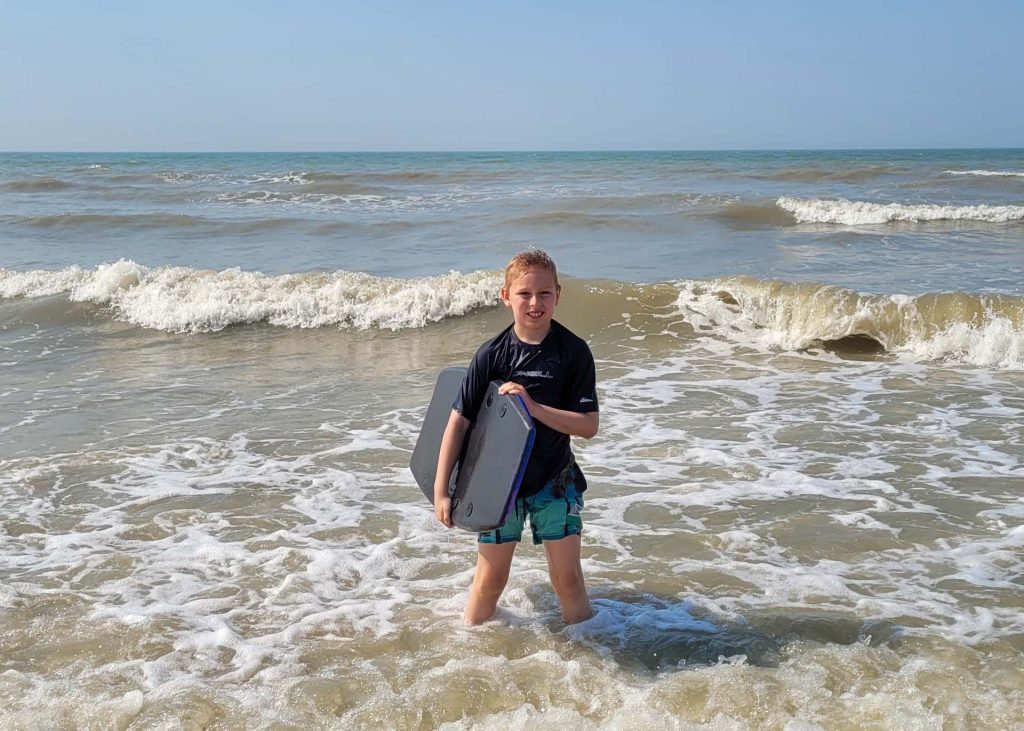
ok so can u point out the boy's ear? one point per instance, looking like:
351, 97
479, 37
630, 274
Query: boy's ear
558, 293
503, 293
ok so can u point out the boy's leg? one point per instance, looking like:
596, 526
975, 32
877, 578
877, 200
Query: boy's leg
493, 562
567, 578
494, 551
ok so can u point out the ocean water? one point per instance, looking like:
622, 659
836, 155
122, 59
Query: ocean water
806, 503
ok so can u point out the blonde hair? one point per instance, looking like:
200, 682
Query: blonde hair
522, 262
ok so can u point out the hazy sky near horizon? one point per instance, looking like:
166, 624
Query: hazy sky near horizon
305, 75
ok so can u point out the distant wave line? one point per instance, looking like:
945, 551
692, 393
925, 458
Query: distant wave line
861, 213
986, 173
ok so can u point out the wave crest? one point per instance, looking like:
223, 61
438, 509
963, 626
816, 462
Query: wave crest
986, 173
974, 329
863, 213
183, 299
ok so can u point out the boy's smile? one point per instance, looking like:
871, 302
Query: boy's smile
532, 297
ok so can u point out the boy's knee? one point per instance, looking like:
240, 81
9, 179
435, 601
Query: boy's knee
488, 583
568, 582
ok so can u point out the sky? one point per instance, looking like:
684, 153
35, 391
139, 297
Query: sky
406, 76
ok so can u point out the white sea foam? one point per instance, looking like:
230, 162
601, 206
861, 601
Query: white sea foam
864, 213
849, 417
225, 570
40, 283
299, 199
179, 177
986, 173
977, 330
183, 299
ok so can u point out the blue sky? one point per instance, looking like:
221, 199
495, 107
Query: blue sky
509, 76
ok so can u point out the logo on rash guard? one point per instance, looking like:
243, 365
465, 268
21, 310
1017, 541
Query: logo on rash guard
533, 374
586, 400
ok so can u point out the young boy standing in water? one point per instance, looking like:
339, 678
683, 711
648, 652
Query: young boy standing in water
553, 371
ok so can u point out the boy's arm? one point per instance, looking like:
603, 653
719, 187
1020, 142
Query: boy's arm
451, 445
568, 422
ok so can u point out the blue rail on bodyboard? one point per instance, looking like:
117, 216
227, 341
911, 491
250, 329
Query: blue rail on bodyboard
495, 452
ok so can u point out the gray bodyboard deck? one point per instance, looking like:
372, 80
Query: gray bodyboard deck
490, 469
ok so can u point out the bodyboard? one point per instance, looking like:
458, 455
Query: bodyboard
428, 445
495, 452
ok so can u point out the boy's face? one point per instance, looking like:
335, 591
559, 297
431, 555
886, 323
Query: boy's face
532, 297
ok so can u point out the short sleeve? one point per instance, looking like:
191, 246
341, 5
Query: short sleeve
583, 394
474, 385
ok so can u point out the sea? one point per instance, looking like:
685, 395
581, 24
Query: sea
806, 500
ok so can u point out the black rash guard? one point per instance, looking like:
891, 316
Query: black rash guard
559, 372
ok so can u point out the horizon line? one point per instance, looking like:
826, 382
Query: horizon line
502, 152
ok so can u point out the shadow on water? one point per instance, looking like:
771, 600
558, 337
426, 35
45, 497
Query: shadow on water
855, 347
648, 632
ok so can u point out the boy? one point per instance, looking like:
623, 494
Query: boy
553, 371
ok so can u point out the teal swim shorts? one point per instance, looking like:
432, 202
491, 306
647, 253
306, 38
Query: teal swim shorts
554, 514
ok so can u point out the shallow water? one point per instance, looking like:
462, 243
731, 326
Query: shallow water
805, 505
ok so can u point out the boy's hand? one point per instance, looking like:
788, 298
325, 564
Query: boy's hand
517, 389
443, 510
451, 443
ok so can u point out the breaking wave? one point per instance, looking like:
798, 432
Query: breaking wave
986, 173
863, 213
338, 193
956, 328
183, 299
971, 329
